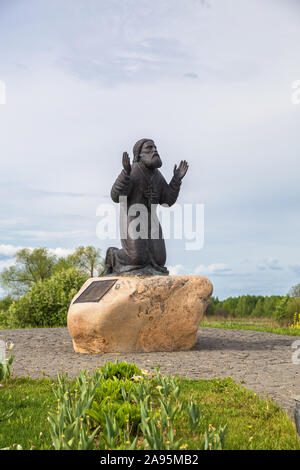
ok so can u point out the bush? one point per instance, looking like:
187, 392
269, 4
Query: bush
47, 302
293, 308
5, 303
120, 370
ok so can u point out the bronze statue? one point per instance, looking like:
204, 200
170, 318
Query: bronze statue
142, 183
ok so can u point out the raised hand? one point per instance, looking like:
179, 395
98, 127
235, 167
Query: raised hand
126, 163
180, 172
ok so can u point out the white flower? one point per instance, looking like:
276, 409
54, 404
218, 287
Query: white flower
137, 377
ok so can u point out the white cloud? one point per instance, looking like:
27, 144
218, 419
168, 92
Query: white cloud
49, 235
10, 250
270, 263
6, 263
177, 269
61, 252
216, 269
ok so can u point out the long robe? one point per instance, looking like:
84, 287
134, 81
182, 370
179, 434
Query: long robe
147, 187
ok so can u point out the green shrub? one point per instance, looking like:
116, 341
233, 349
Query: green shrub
47, 302
120, 370
5, 303
113, 396
293, 308
287, 308
111, 389
3, 320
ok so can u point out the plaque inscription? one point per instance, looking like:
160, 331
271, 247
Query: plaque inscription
95, 291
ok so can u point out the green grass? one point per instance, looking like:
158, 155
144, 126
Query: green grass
252, 423
30, 401
256, 324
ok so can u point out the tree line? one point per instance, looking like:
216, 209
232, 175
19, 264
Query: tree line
40, 287
280, 308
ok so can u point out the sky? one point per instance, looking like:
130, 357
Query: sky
209, 80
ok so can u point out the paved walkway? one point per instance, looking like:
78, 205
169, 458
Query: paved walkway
261, 361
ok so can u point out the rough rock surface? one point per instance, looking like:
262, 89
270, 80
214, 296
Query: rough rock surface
140, 314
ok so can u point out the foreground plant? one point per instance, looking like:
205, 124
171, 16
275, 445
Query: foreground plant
123, 407
142, 411
214, 439
70, 424
5, 366
296, 323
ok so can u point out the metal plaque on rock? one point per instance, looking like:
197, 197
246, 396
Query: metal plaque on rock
95, 291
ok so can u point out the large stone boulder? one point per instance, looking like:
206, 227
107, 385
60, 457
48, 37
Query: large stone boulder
138, 314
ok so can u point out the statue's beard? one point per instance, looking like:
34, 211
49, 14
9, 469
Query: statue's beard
151, 161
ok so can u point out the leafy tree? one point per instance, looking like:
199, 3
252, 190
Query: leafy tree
46, 304
86, 258
36, 265
259, 310
245, 306
295, 291
31, 266
64, 263
211, 309
5, 303
229, 305
281, 312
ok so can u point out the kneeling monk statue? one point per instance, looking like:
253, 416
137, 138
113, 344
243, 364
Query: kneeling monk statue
143, 186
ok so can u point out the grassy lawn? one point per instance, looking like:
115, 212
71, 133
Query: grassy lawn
29, 401
252, 423
256, 324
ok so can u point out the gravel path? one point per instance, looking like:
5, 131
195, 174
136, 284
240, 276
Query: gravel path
260, 361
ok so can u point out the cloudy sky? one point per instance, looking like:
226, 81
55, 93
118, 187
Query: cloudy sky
209, 80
